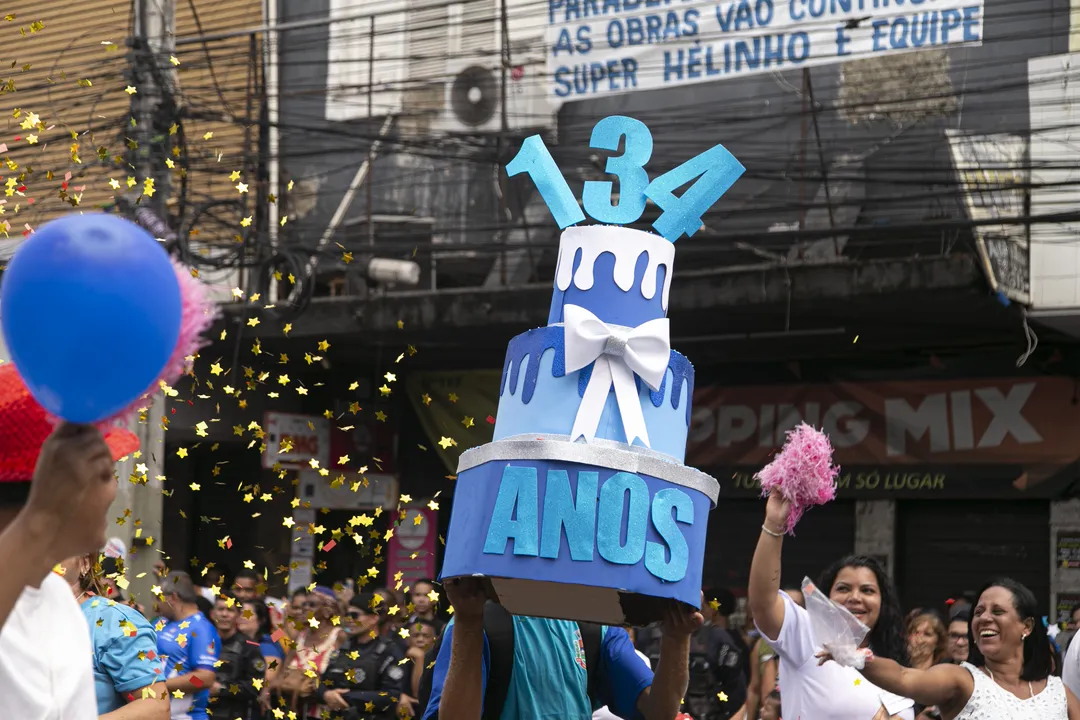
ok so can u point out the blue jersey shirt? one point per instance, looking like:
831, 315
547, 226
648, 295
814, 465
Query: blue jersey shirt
125, 652
550, 679
188, 645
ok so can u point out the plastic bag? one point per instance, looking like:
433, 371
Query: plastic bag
837, 631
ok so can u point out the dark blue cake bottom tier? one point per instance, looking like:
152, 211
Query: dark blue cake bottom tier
601, 533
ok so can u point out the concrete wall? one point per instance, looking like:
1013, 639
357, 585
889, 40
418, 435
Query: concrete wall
875, 531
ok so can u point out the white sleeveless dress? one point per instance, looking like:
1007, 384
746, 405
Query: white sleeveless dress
990, 701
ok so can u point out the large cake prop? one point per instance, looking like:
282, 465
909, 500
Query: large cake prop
581, 507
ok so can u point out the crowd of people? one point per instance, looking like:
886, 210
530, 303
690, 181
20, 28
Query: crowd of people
73, 648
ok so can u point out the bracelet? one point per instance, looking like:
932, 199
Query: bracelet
770, 532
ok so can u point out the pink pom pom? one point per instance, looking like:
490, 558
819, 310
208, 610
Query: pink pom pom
197, 314
802, 472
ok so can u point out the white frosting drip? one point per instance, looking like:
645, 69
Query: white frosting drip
626, 245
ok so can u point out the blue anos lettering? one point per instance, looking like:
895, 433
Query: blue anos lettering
593, 521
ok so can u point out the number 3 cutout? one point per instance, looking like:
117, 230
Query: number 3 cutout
629, 168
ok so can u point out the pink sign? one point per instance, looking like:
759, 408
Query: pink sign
411, 551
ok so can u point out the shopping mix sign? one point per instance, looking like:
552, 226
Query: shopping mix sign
605, 47
1017, 421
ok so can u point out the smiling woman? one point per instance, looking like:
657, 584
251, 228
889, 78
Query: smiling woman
1008, 676
860, 585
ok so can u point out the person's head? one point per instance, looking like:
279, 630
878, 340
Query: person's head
422, 634
211, 577
1005, 623
225, 615
297, 601
860, 584
420, 596
322, 603
254, 620
770, 707
717, 605
179, 596
78, 571
1074, 618
24, 428
927, 638
245, 585
365, 616
958, 637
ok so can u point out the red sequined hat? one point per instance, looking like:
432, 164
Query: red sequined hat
24, 426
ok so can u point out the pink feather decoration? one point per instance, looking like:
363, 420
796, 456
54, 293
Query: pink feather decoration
803, 472
197, 314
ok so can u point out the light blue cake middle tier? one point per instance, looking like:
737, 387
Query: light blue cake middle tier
536, 396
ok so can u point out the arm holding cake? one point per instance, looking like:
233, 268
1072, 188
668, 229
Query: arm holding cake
663, 700
462, 693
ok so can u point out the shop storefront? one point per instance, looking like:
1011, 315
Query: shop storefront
953, 481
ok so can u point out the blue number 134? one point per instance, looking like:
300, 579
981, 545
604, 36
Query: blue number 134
715, 170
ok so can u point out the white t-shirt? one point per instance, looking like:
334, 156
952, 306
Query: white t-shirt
605, 714
1070, 669
45, 657
829, 691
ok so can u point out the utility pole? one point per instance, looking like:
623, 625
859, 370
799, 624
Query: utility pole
140, 505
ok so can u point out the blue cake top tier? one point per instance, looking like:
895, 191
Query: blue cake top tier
622, 276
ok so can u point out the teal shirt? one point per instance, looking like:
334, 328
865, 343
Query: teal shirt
550, 678
125, 652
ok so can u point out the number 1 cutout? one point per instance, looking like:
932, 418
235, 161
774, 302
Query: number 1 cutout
534, 159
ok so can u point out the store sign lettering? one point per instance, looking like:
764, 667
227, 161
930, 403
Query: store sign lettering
945, 420
870, 481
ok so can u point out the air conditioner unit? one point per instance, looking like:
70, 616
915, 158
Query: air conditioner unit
473, 77
474, 97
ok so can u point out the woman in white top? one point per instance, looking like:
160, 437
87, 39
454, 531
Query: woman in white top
809, 690
1008, 673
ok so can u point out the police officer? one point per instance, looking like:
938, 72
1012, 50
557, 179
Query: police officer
717, 688
365, 677
234, 694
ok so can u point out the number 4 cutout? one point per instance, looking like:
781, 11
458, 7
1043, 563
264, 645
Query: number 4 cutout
716, 170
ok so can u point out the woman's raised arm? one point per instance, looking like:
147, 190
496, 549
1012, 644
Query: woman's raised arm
764, 591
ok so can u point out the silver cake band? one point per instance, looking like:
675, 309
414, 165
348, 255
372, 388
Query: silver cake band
606, 453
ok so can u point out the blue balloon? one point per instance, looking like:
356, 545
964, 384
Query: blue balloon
90, 307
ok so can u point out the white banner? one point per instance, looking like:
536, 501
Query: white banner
293, 441
607, 47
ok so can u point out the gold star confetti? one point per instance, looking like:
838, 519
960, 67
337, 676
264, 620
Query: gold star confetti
445, 443
467, 421
246, 222
130, 90
241, 187
174, 60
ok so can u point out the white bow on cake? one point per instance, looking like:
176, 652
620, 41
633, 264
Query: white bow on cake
619, 353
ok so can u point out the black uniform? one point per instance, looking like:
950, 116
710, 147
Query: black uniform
372, 676
717, 665
241, 662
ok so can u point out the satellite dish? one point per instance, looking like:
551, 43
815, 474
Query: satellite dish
474, 96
